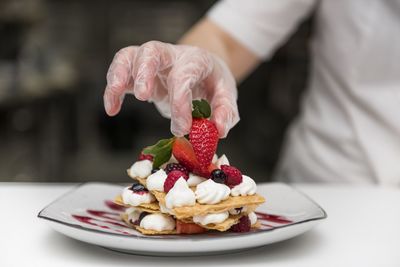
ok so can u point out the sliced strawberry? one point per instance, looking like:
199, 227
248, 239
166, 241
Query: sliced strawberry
211, 167
188, 228
183, 152
205, 172
204, 138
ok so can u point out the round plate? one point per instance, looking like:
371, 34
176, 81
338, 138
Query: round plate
88, 214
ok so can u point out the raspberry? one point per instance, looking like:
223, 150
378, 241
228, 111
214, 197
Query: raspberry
234, 176
242, 226
143, 157
176, 167
172, 177
204, 138
218, 176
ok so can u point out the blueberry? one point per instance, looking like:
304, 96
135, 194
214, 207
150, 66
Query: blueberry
154, 170
218, 176
136, 187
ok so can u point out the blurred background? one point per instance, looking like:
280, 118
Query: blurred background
54, 56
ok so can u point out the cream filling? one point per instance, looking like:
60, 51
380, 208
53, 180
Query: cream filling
135, 199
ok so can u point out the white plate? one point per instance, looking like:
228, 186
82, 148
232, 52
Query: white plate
88, 214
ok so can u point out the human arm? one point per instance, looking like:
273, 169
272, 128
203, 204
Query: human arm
228, 44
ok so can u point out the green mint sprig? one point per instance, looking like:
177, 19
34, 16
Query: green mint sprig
161, 151
201, 109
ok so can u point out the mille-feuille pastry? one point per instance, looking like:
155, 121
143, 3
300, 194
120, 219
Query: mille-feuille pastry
183, 187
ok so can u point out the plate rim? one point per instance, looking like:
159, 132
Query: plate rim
174, 238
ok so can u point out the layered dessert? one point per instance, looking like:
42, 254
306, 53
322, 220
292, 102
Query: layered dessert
181, 186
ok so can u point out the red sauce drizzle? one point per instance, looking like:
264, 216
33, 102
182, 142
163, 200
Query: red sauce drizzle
114, 218
104, 214
95, 222
272, 218
111, 205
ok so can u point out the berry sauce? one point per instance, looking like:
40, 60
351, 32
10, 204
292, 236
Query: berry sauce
272, 218
111, 220
111, 205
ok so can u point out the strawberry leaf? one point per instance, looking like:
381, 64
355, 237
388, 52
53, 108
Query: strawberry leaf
161, 151
201, 109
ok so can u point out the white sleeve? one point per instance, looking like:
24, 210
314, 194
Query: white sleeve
260, 25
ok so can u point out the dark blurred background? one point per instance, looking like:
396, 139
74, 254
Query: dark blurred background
54, 56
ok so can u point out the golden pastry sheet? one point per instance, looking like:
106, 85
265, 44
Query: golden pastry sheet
202, 209
148, 207
222, 227
256, 225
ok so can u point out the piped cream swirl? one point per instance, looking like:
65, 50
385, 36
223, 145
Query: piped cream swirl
156, 181
158, 222
211, 218
246, 188
141, 168
135, 199
210, 192
180, 195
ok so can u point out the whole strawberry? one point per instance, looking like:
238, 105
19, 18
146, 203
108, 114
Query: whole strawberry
203, 134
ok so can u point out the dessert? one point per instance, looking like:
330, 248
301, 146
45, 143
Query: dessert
182, 187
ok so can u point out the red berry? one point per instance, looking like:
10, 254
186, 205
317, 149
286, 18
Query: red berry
175, 167
204, 138
188, 228
234, 176
242, 226
172, 178
184, 154
144, 156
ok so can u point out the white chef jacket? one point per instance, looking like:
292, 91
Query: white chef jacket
348, 129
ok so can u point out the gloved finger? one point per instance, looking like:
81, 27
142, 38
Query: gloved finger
190, 69
119, 79
152, 58
225, 113
160, 97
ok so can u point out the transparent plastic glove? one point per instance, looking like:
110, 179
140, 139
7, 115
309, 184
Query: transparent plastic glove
171, 76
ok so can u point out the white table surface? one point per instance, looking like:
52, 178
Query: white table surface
362, 229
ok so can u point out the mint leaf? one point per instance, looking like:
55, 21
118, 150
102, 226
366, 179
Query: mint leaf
160, 145
201, 109
161, 151
162, 157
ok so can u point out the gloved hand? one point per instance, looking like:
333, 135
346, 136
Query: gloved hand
171, 76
